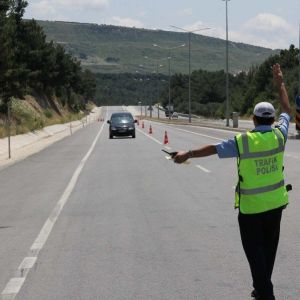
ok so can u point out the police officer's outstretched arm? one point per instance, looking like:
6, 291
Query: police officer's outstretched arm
283, 96
182, 156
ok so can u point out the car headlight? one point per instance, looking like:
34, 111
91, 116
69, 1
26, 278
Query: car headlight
130, 128
113, 128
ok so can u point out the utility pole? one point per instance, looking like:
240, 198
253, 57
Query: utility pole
189, 34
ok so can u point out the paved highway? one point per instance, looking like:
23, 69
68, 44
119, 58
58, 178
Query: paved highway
93, 218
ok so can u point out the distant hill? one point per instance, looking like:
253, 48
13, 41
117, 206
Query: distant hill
114, 49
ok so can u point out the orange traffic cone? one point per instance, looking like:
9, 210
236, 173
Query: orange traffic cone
143, 125
166, 140
150, 130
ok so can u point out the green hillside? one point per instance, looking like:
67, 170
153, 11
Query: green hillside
114, 49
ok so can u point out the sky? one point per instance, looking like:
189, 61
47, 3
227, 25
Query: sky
268, 23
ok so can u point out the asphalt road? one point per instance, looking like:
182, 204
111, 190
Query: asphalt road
122, 222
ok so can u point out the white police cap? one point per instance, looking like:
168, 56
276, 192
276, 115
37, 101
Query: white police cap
264, 110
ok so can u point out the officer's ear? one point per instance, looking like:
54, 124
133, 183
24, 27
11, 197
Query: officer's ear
254, 120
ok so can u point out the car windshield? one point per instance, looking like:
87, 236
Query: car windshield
121, 119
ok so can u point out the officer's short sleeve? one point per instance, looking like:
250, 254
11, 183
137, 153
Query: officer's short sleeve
227, 149
283, 124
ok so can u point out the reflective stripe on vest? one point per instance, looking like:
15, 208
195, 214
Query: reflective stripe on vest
264, 189
248, 154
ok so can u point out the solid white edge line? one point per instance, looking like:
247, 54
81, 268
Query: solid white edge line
14, 285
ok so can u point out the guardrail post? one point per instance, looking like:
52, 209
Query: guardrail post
235, 119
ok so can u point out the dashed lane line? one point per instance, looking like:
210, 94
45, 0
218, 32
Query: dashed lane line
169, 148
150, 137
203, 169
200, 134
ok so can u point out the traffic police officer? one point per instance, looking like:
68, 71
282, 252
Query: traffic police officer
260, 193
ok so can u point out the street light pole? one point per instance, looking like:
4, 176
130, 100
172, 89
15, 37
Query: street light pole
157, 60
227, 68
190, 33
169, 85
169, 49
157, 86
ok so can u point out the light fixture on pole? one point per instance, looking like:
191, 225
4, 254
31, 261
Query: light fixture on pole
227, 68
169, 49
190, 33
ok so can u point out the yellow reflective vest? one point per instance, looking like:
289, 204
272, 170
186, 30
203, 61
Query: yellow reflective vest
260, 168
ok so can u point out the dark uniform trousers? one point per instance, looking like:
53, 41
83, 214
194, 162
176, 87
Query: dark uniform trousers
260, 236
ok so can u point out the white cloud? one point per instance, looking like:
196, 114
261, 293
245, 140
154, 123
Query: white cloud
194, 26
267, 22
43, 9
79, 4
264, 30
268, 30
127, 22
60, 9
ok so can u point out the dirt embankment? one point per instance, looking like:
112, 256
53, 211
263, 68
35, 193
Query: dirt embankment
37, 111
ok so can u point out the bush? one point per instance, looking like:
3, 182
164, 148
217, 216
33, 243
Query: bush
48, 113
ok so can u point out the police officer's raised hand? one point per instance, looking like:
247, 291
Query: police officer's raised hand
277, 74
283, 95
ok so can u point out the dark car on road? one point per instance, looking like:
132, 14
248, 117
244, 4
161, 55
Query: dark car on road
121, 124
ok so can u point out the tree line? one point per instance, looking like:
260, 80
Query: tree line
208, 93
31, 65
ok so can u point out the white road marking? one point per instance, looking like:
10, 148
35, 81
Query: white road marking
203, 169
215, 129
14, 285
150, 137
27, 263
196, 133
